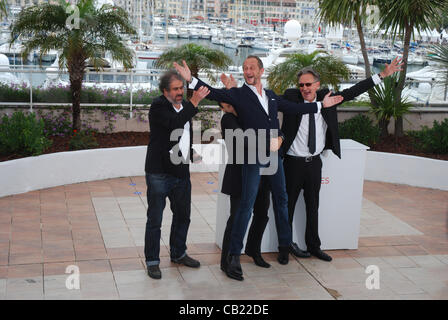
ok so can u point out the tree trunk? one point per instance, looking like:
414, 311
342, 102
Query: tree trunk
365, 56
383, 124
76, 74
401, 82
363, 45
399, 132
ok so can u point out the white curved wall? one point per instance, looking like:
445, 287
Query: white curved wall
56, 169
410, 170
50, 170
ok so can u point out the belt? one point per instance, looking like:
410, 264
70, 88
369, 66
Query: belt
305, 159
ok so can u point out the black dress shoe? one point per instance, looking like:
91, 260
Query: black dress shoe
295, 250
283, 255
320, 255
187, 261
154, 272
258, 259
233, 269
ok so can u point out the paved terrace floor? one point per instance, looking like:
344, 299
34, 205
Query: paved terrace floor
99, 227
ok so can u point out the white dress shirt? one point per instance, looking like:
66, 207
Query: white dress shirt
299, 147
263, 98
184, 141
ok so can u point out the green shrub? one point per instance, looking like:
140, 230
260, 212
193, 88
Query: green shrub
432, 140
22, 134
360, 128
83, 140
56, 123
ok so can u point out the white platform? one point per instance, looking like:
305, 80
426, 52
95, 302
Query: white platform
340, 203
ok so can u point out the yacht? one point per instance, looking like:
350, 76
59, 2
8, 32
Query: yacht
183, 33
172, 33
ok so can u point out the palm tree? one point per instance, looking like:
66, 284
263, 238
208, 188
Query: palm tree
3, 10
284, 75
199, 58
346, 12
45, 27
399, 18
441, 57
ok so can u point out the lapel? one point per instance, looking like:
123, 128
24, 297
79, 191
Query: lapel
254, 99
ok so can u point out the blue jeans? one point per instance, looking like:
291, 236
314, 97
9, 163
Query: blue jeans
159, 187
250, 181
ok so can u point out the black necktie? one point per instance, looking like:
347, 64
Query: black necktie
312, 134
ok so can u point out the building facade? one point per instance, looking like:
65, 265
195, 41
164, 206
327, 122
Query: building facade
274, 11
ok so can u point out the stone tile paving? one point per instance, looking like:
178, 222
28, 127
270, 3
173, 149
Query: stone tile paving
99, 228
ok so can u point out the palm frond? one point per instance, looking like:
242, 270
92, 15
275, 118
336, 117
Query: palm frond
395, 15
199, 58
284, 75
342, 11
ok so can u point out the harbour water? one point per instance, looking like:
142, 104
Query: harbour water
238, 56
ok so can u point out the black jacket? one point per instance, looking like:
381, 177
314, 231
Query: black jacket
250, 112
232, 180
163, 119
291, 123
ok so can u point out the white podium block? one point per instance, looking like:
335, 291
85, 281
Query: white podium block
339, 204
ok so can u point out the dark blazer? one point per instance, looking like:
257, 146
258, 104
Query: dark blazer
163, 119
232, 180
291, 123
250, 112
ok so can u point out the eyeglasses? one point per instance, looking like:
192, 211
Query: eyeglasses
308, 84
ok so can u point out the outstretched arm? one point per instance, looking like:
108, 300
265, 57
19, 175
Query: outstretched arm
289, 107
219, 95
367, 84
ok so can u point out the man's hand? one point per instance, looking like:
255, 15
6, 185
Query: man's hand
331, 101
229, 82
391, 68
198, 95
183, 71
275, 144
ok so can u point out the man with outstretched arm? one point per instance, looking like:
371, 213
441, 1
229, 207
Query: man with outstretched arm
306, 137
257, 109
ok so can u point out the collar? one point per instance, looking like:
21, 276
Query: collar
178, 110
315, 100
254, 89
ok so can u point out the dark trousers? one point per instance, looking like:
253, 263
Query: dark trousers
250, 183
306, 176
259, 221
161, 186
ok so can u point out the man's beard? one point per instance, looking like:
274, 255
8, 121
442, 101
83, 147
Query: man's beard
173, 101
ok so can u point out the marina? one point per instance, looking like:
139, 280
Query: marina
237, 39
